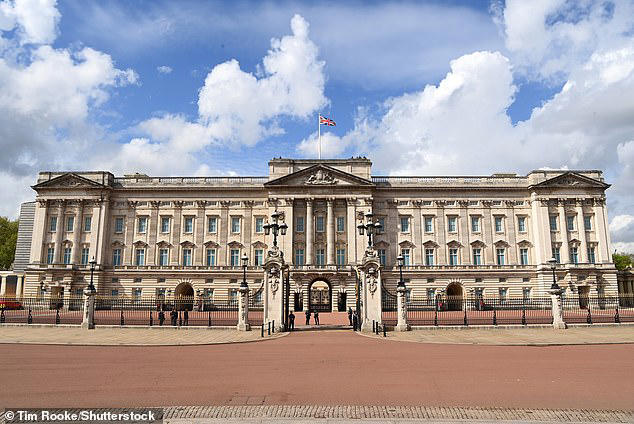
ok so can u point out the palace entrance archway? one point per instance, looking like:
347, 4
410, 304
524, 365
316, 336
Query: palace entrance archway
454, 297
320, 296
184, 295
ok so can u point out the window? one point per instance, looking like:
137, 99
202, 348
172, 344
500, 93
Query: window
451, 224
341, 256
142, 225
591, 258
235, 224
235, 257
499, 224
477, 256
208, 293
136, 292
570, 223
553, 222
429, 257
526, 294
453, 256
87, 223
189, 224
382, 228
475, 224
574, 257
587, 222
118, 225
70, 223
319, 224
259, 257
114, 292
50, 255
499, 253
503, 293
212, 222
211, 257
187, 257
319, 257
84, 255
53, 226
67, 255
521, 224
523, 256
140, 257
233, 293
165, 224
299, 256
405, 254
431, 294
405, 224
164, 257
340, 224
116, 257
259, 225
299, 224
382, 257
556, 254
429, 224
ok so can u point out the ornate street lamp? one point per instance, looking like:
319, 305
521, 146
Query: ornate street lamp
369, 227
401, 260
93, 265
245, 262
275, 227
553, 267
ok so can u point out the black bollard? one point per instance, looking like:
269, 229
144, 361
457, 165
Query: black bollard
384, 334
373, 326
262, 330
269, 324
150, 318
273, 326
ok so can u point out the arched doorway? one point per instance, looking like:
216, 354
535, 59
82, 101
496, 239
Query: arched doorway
184, 296
454, 297
320, 296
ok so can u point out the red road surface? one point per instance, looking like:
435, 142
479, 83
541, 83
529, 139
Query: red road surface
328, 367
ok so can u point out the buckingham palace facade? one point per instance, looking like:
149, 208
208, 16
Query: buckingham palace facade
160, 236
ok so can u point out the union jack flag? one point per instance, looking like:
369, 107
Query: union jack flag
325, 121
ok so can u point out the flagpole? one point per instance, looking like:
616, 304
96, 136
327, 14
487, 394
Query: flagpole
319, 133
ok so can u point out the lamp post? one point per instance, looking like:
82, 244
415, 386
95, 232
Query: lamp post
275, 227
369, 227
93, 264
245, 261
401, 260
553, 267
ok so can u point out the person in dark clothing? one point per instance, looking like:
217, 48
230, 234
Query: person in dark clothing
316, 317
186, 317
161, 317
291, 321
355, 322
350, 315
173, 316
307, 316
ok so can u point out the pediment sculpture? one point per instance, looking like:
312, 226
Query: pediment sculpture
321, 178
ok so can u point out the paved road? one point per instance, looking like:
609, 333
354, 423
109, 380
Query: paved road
319, 368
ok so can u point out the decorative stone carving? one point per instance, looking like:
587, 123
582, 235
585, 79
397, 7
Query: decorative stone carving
487, 203
178, 203
132, 204
201, 203
155, 204
440, 203
463, 203
225, 203
321, 178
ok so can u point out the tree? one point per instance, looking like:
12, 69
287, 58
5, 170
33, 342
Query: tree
8, 240
621, 261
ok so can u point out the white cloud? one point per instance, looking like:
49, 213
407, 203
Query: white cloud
622, 233
164, 69
36, 20
331, 145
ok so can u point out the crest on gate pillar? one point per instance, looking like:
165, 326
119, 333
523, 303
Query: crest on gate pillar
273, 282
370, 276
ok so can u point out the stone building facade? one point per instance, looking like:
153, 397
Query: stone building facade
488, 235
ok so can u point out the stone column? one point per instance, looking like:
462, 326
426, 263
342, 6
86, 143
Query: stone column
130, 231
199, 233
510, 231
273, 282
351, 232
243, 310
59, 231
153, 231
557, 308
563, 230
223, 234
77, 229
88, 321
18, 287
330, 232
401, 300
176, 233
310, 231
581, 230
441, 257
487, 233
370, 275
3, 285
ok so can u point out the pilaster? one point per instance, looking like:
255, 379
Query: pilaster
581, 230
176, 232
330, 232
153, 233
310, 232
563, 231
442, 233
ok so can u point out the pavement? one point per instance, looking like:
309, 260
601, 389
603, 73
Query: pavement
320, 369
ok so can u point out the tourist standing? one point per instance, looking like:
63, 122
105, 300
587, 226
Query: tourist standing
316, 317
307, 316
350, 315
291, 321
186, 317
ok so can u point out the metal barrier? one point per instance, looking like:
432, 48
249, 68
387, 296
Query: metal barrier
596, 310
41, 310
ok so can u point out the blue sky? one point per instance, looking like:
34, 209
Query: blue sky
435, 87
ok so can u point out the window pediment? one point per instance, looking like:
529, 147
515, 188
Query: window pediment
524, 243
211, 244
259, 245
430, 244
406, 243
139, 243
501, 243
454, 243
478, 243
382, 244
163, 244
235, 245
187, 244
117, 243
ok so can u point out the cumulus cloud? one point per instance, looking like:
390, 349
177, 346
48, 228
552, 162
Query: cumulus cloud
622, 232
34, 20
163, 69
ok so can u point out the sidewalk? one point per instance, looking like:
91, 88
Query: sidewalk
596, 334
142, 336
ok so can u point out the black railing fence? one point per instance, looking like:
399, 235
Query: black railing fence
256, 308
41, 310
601, 309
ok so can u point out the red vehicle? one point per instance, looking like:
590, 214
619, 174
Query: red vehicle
8, 304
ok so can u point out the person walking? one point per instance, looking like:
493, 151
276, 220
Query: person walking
291, 321
350, 315
355, 322
173, 317
161, 317
316, 314
307, 316
186, 317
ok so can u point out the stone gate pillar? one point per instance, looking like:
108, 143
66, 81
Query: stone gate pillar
88, 320
557, 307
370, 275
401, 324
273, 288
243, 310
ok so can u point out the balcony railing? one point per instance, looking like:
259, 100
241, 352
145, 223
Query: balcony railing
136, 181
488, 181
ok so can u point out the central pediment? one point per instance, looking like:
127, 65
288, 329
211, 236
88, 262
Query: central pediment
571, 179
319, 176
68, 180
